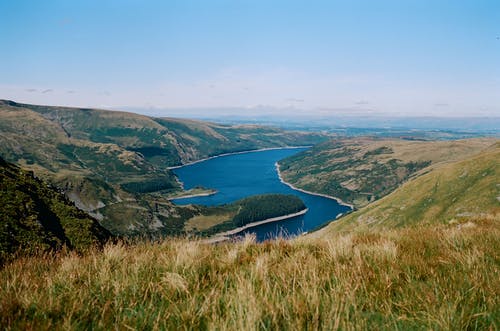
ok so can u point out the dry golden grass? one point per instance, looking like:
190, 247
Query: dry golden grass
423, 277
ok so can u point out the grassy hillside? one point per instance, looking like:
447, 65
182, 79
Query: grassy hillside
160, 141
440, 277
35, 217
114, 164
449, 193
362, 170
91, 172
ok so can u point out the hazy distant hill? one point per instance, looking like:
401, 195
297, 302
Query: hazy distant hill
361, 170
110, 163
448, 193
36, 217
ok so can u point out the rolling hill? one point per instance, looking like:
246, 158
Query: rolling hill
362, 170
451, 192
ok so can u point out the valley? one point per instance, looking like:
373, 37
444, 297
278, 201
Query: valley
120, 167
250, 165
156, 218
115, 165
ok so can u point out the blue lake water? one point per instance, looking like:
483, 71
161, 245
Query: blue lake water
241, 175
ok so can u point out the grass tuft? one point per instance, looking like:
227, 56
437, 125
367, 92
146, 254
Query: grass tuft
422, 277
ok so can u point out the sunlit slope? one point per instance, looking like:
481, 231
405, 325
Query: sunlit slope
92, 171
362, 170
449, 193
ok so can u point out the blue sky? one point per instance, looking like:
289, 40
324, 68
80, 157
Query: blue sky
318, 57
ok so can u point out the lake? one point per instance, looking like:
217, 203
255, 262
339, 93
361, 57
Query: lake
241, 175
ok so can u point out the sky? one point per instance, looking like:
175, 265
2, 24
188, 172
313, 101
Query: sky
400, 57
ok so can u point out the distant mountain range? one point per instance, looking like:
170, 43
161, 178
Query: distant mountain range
332, 118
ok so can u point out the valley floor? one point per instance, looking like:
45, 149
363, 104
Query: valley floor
421, 277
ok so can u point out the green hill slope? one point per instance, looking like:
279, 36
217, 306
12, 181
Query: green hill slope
362, 170
114, 164
35, 217
161, 141
450, 192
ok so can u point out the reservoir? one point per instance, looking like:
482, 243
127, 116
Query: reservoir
238, 176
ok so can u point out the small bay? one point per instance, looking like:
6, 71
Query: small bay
241, 175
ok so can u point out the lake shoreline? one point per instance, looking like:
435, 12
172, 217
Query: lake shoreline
224, 236
339, 201
236, 153
321, 207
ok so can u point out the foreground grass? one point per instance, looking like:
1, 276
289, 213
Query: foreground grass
433, 277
